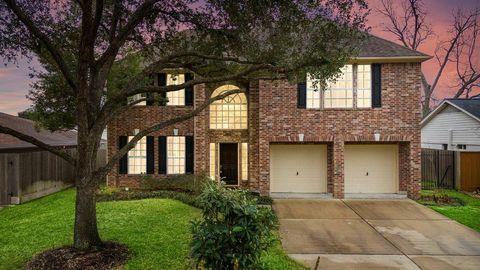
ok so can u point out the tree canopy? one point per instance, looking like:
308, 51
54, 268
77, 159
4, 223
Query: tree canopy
96, 54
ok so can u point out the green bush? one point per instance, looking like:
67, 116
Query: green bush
234, 230
187, 198
186, 183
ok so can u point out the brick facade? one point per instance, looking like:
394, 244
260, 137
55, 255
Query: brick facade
274, 118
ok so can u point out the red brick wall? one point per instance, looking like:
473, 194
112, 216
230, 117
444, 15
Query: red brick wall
397, 121
274, 117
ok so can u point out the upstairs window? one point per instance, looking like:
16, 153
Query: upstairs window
136, 97
364, 86
342, 92
230, 112
176, 98
339, 94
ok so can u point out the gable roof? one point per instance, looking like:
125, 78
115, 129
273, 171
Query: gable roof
376, 47
59, 138
470, 107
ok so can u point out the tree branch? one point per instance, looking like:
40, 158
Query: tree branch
55, 52
102, 172
52, 149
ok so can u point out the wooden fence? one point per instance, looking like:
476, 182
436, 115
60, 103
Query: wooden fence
470, 171
28, 175
438, 169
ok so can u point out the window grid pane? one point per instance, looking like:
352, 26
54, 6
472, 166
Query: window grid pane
230, 112
137, 157
176, 98
364, 86
244, 161
138, 97
175, 155
313, 94
212, 160
339, 94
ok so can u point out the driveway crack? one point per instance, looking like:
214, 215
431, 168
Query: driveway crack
373, 227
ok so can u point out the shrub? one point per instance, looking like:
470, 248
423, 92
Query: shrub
104, 190
186, 182
187, 198
234, 230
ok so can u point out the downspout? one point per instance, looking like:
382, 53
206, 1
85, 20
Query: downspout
450, 139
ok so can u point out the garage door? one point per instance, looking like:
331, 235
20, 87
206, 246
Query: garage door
298, 168
371, 168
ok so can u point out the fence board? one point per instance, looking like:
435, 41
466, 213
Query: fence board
469, 171
438, 169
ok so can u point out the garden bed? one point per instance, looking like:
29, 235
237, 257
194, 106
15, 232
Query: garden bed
113, 255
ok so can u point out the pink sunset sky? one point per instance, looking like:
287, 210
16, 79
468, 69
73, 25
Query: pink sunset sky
14, 80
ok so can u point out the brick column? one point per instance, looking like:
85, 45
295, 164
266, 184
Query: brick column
200, 132
338, 169
415, 185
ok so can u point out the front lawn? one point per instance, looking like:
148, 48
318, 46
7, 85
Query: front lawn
157, 231
468, 214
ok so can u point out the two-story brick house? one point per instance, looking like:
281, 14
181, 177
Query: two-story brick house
361, 135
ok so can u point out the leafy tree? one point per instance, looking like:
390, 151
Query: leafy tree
82, 44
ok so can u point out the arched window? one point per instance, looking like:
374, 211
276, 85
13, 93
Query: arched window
230, 112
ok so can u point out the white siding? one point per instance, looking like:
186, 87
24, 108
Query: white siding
464, 130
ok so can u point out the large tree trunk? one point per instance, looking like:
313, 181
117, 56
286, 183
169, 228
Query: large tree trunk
86, 237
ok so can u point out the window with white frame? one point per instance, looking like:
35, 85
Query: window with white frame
244, 161
176, 98
230, 112
175, 155
364, 86
213, 151
339, 93
314, 96
137, 97
137, 157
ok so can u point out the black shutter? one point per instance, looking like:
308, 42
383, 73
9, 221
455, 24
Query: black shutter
162, 155
150, 96
189, 156
376, 85
188, 90
123, 163
150, 155
302, 95
150, 99
162, 81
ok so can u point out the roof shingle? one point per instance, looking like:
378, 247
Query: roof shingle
375, 46
59, 138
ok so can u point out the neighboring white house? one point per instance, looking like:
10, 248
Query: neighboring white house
453, 125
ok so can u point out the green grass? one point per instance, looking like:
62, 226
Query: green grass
469, 214
157, 231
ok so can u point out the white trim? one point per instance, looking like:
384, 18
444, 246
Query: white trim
441, 107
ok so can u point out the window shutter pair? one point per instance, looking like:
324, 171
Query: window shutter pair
162, 81
162, 154
123, 163
376, 89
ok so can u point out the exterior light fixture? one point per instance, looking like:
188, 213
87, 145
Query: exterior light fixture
175, 132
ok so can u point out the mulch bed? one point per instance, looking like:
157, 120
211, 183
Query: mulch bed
113, 256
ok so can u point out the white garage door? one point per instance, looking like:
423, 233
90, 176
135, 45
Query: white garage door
298, 168
371, 168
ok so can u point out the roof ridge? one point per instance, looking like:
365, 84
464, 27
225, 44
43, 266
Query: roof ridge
396, 44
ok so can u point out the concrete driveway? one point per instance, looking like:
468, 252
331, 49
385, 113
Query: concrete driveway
374, 234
